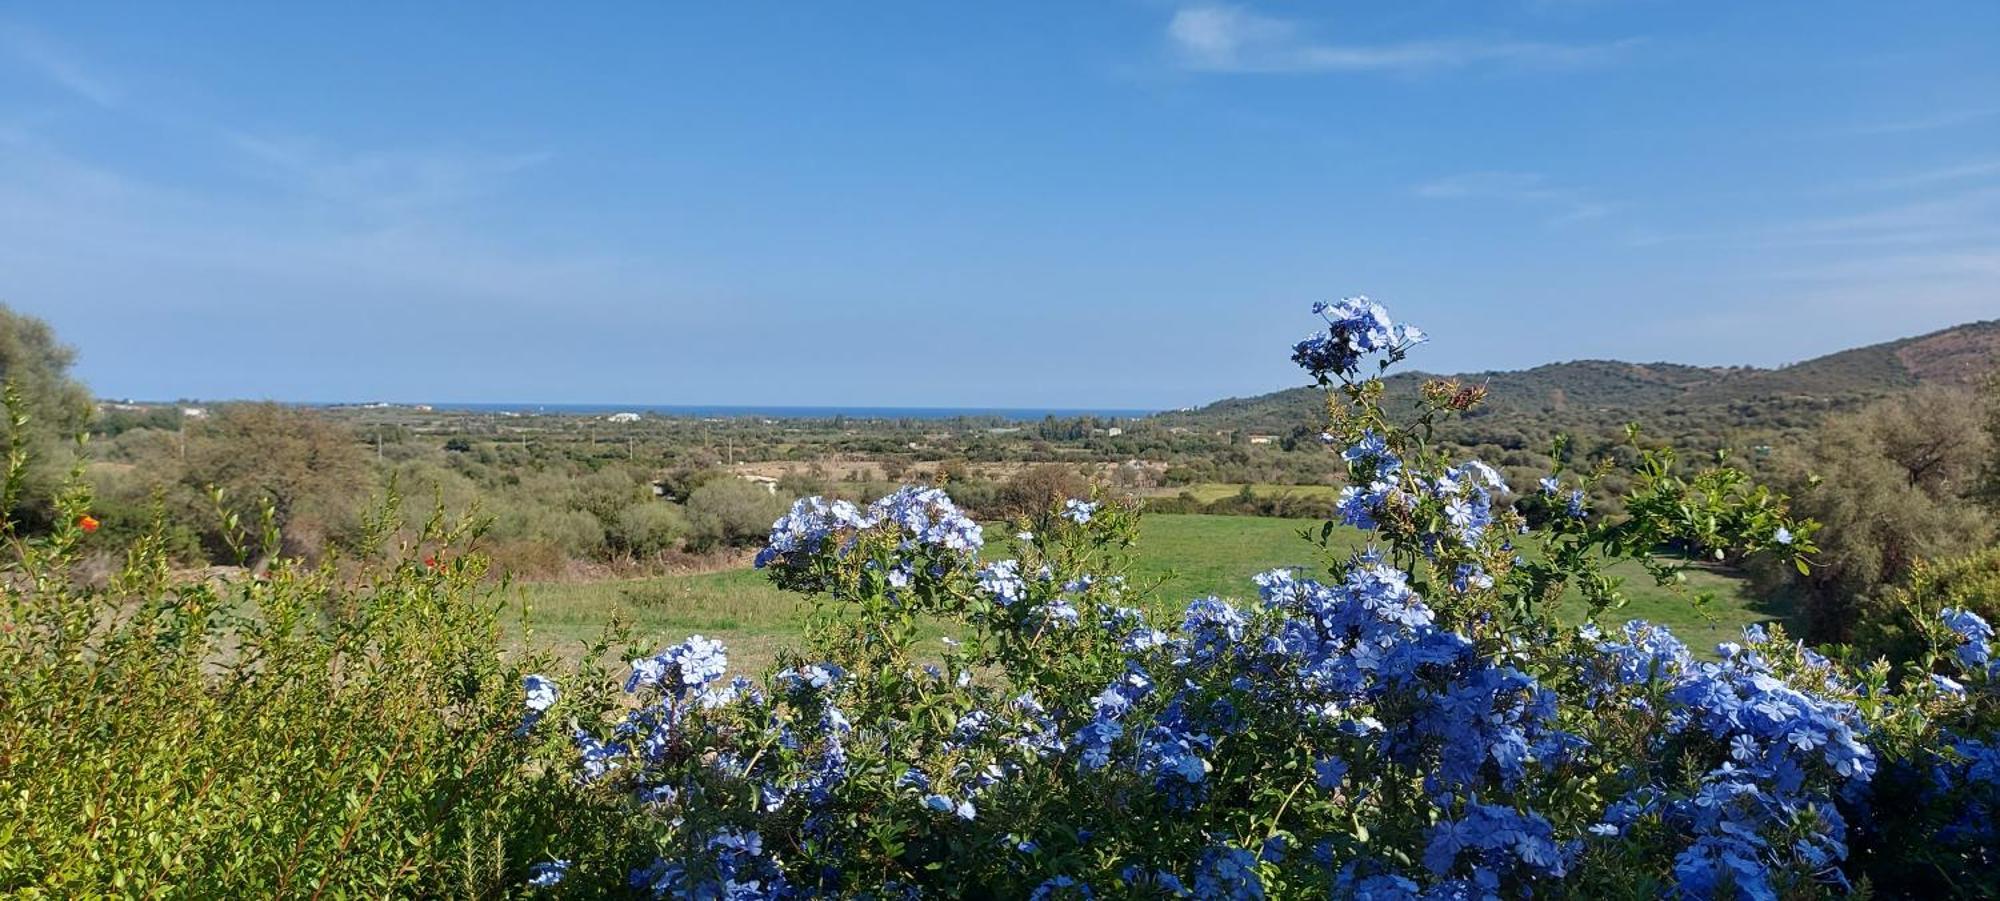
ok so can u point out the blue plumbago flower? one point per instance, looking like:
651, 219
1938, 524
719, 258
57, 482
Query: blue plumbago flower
1356, 327
1975, 649
1213, 628
597, 757
541, 691
1479, 474
1060, 887
1329, 773
1077, 511
1782, 536
548, 873
811, 677
1228, 872
1002, 580
1373, 451
929, 518
1576, 508
1549, 485
924, 517
1058, 612
1947, 684
1767, 805
687, 666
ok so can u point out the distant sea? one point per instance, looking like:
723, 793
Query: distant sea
699, 411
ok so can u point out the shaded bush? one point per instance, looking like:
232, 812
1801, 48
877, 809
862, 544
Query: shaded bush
730, 512
649, 528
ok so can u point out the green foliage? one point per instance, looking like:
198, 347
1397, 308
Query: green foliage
1896, 624
649, 528
1892, 485
730, 513
302, 465
52, 407
305, 732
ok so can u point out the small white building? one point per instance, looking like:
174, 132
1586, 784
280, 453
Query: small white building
622, 417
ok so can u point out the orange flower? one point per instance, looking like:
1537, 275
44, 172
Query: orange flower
87, 523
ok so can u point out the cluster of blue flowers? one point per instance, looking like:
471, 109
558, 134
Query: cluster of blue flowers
1380, 488
1975, 640
1356, 328
1781, 753
923, 517
1459, 756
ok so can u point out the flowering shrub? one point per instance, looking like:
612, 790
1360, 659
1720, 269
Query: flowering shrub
1439, 715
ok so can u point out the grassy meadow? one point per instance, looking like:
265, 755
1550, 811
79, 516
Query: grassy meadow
1210, 492
1179, 556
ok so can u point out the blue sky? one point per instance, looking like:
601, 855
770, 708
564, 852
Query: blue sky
1017, 204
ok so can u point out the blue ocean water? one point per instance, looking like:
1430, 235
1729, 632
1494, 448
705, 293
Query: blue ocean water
724, 411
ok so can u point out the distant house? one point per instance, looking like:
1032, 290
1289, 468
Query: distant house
1114, 431
194, 412
622, 417
1262, 439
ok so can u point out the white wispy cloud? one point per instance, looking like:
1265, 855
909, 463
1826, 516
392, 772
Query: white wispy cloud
1565, 204
1931, 122
59, 64
1931, 177
1219, 38
399, 181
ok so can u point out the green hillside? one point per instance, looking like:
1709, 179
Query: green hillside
1669, 398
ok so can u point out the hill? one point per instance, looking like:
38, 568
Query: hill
1667, 397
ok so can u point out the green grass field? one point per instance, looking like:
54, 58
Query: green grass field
1210, 492
1186, 556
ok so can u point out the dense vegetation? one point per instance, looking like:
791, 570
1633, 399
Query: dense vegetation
1419, 723
339, 712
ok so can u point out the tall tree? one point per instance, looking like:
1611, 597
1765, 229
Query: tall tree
1892, 485
58, 407
312, 472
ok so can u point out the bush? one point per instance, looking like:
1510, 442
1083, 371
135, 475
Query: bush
1036, 488
1893, 485
1413, 720
1893, 622
650, 528
730, 512
290, 460
282, 736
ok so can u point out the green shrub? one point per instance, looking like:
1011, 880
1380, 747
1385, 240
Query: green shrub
1890, 622
731, 513
649, 528
294, 734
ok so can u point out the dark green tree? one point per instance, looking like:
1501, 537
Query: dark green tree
36, 366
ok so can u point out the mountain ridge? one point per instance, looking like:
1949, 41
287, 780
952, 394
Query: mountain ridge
1959, 355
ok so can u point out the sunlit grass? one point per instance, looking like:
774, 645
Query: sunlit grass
1179, 558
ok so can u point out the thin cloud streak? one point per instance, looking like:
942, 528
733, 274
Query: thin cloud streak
388, 182
1932, 177
1232, 39
1515, 187
58, 65
1949, 119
